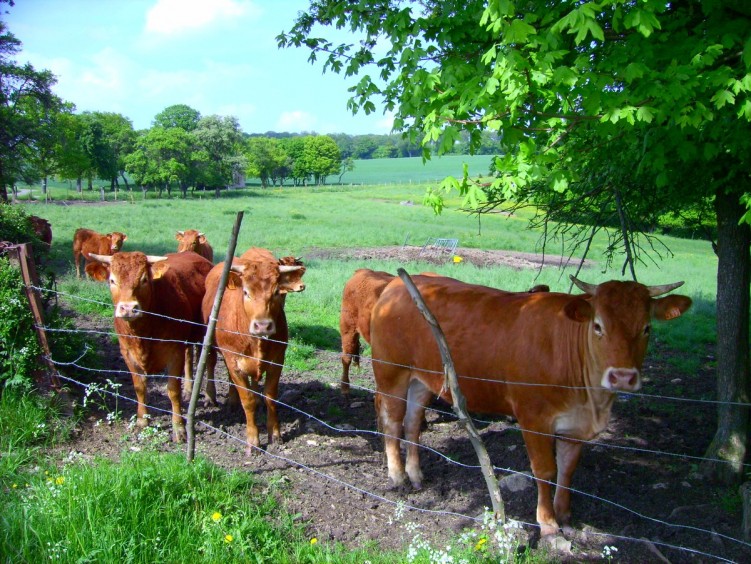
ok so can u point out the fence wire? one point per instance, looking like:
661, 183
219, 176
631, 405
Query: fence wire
711, 533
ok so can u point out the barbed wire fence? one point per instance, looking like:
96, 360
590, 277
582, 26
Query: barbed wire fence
368, 492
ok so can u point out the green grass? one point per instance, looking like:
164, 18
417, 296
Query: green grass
167, 504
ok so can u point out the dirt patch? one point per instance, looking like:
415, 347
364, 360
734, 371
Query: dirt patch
332, 466
478, 257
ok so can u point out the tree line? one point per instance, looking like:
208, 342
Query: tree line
43, 137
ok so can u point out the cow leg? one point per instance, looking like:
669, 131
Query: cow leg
210, 385
540, 452
139, 385
271, 392
350, 347
232, 398
392, 407
247, 393
174, 391
567, 456
210, 390
76, 260
188, 371
418, 397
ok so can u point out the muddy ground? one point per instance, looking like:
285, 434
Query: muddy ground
635, 497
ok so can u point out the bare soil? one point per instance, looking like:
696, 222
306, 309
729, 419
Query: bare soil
335, 480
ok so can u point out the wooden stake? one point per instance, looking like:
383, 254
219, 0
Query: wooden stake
459, 402
208, 340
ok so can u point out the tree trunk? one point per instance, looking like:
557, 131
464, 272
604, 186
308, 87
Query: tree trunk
730, 442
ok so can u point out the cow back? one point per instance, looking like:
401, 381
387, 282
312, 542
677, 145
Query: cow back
498, 340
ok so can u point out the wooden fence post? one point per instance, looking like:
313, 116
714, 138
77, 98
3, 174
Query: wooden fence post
208, 340
21, 255
459, 402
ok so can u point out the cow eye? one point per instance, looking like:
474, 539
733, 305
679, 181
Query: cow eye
246, 294
598, 329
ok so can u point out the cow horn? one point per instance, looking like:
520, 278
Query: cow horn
201, 234
101, 258
239, 268
283, 268
181, 233
152, 259
584, 286
655, 291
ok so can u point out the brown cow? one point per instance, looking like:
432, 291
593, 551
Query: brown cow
192, 240
358, 298
157, 313
251, 330
86, 241
43, 229
574, 352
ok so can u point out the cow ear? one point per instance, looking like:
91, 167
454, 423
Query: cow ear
670, 307
125, 237
179, 235
158, 269
202, 239
292, 281
234, 281
579, 310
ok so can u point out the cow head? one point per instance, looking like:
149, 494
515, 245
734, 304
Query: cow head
116, 241
619, 317
189, 240
130, 279
97, 271
264, 285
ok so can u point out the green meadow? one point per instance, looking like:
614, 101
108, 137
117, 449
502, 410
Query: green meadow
305, 222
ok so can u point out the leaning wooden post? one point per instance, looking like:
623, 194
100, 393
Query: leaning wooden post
31, 282
208, 340
459, 402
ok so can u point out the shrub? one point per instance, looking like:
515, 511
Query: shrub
15, 227
19, 349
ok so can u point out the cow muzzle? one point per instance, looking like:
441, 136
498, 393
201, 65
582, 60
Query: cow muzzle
262, 327
127, 310
621, 379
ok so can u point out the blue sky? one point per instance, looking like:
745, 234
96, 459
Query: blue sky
137, 57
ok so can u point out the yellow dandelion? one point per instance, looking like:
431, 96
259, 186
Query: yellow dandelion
216, 517
313, 540
481, 543
228, 538
15, 486
60, 480
457, 259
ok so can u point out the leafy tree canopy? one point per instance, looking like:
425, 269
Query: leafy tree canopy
178, 115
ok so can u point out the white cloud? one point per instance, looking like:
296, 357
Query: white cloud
175, 17
296, 121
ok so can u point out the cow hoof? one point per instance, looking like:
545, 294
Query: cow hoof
568, 531
180, 435
556, 542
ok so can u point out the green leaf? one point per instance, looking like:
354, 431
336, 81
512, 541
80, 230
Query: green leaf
518, 31
645, 114
723, 97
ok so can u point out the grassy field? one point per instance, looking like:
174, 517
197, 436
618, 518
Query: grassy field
300, 222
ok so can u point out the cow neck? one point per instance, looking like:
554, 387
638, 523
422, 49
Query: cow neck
590, 413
